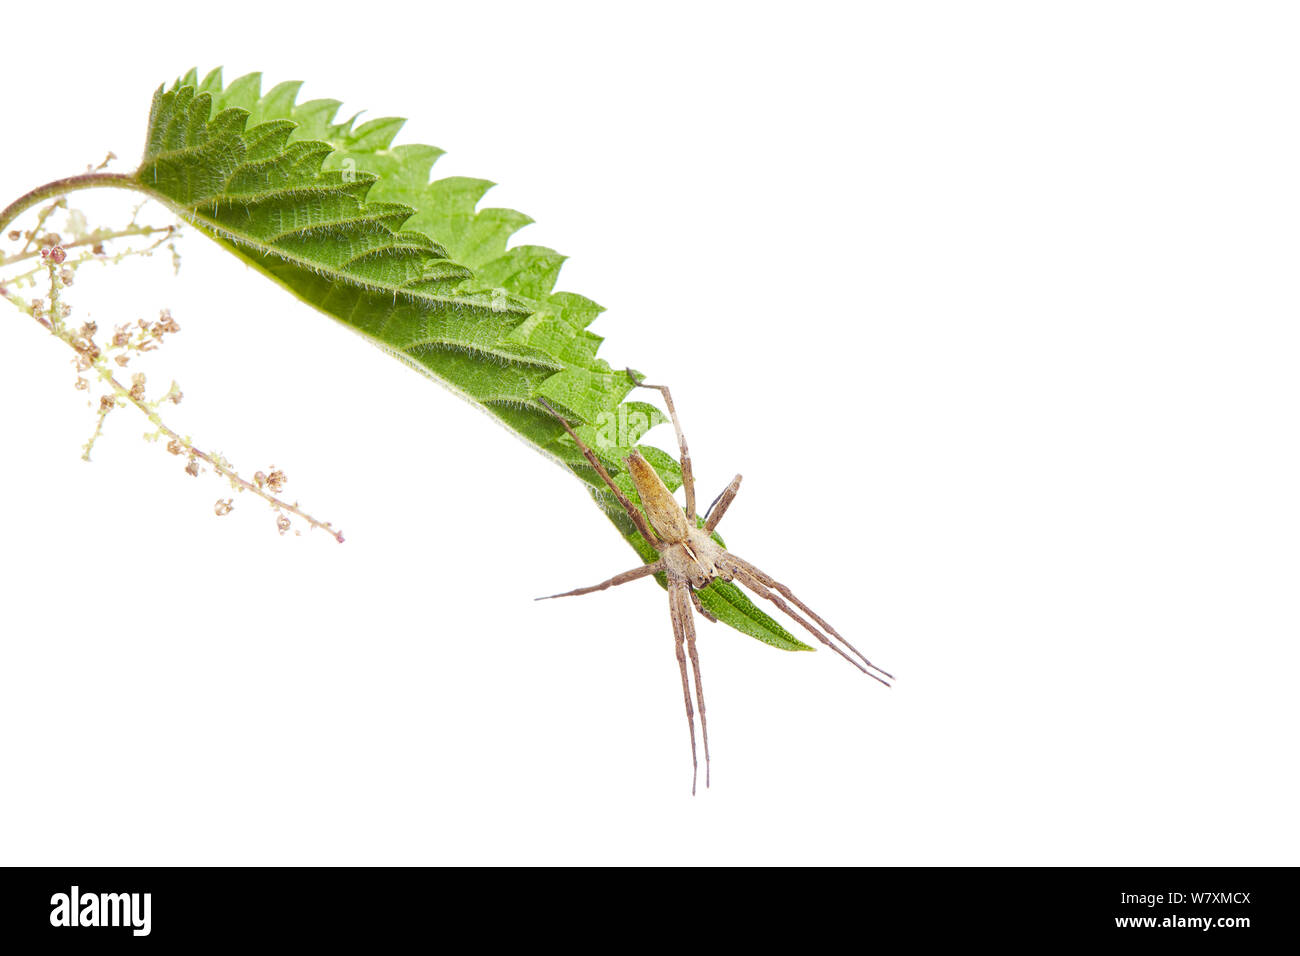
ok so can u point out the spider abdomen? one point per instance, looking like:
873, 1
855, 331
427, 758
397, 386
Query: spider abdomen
657, 501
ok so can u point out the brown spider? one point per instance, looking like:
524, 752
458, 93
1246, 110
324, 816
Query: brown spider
690, 559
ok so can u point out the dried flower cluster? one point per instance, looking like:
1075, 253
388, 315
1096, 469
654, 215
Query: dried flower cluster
98, 355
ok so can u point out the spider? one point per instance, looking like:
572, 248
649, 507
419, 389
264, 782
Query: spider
690, 559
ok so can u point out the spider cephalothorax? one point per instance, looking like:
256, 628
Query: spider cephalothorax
689, 558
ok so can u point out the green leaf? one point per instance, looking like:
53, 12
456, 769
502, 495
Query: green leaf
730, 605
353, 226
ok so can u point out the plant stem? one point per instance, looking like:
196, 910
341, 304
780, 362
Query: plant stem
124, 393
61, 186
94, 238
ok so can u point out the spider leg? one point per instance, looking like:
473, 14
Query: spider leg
688, 479
684, 631
623, 578
758, 581
688, 624
637, 518
704, 612
721, 503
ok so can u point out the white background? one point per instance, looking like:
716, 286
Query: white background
993, 304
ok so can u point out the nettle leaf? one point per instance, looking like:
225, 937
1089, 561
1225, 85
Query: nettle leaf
353, 226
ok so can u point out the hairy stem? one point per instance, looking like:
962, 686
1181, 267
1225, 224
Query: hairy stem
62, 186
